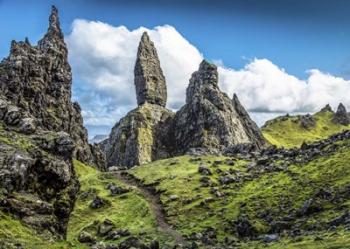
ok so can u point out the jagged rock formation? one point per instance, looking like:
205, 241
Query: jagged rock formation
37, 180
149, 79
37, 81
326, 108
210, 120
41, 130
139, 137
341, 116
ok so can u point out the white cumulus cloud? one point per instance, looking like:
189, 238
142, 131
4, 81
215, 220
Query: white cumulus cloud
103, 57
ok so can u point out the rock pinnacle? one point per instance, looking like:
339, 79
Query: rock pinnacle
341, 116
149, 79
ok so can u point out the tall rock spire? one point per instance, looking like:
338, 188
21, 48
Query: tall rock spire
40, 82
53, 39
149, 79
54, 22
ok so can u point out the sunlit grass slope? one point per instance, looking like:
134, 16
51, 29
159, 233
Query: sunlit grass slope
192, 207
287, 131
128, 211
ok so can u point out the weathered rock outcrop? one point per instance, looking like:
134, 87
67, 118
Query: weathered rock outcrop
149, 79
326, 108
37, 181
140, 137
37, 81
307, 121
341, 116
210, 120
41, 131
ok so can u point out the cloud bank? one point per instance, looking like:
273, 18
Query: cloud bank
103, 57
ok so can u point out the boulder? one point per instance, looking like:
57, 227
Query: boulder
307, 121
85, 237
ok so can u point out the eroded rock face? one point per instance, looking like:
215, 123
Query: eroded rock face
37, 180
250, 127
326, 108
209, 119
140, 137
149, 79
41, 131
341, 116
210, 122
37, 81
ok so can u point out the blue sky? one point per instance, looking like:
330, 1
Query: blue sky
294, 35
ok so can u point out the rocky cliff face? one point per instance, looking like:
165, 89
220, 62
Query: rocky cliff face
41, 130
37, 80
210, 121
250, 127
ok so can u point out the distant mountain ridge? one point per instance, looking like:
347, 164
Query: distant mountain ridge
98, 139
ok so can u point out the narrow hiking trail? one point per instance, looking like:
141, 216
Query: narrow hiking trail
154, 201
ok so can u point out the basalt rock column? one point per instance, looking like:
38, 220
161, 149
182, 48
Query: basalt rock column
141, 136
149, 79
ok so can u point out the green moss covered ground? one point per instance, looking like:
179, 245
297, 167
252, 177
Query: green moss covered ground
128, 211
287, 131
192, 207
194, 202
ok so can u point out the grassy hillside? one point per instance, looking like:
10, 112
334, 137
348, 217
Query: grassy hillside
196, 203
287, 131
128, 211
222, 198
